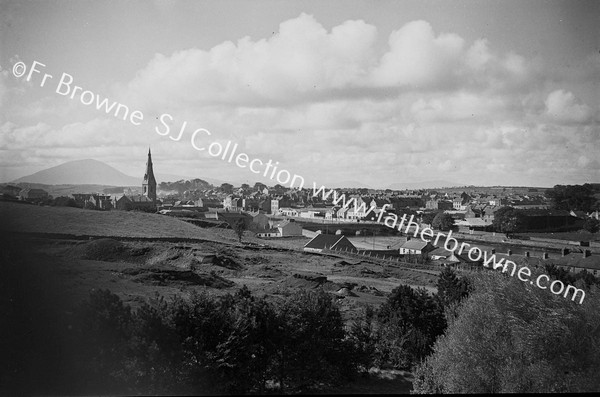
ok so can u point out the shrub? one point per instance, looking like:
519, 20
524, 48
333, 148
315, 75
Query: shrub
510, 337
409, 323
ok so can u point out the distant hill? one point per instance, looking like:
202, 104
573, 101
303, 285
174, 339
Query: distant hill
82, 172
345, 184
94, 172
423, 185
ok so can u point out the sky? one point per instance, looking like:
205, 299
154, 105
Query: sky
374, 92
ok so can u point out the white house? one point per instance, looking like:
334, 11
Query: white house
288, 211
416, 247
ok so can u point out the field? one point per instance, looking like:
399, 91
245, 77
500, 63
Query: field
205, 259
581, 235
63, 253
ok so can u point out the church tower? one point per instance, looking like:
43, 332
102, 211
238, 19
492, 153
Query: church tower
149, 184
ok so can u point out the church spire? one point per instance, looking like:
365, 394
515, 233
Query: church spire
149, 184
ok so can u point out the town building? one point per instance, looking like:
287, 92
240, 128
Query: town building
32, 194
146, 201
329, 242
416, 247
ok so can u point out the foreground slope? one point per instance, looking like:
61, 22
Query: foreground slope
75, 221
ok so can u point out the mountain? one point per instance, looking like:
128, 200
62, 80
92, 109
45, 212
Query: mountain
423, 185
94, 172
82, 172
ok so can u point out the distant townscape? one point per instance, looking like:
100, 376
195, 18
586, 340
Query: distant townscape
489, 215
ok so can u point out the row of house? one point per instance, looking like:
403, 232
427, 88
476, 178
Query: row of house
571, 259
11, 192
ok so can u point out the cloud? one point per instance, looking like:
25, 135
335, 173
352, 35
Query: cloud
3, 86
334, 103
303, 60
562, 106
457, 106
305, 63
418, 58
80, 135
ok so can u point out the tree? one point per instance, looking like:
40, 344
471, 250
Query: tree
313, 350
573, 197
246, 355
101, 332
428, 217
259, 186
591, 225
63, 201
512, 337
279, 189
363, 336
508, 220
451, 288
443, 221
409, 323
239, 228
227, 188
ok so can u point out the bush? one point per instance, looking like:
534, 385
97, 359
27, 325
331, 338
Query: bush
64, 202
451, 288
102, 335
443, 221
234, 344
591, 225
408, 325
313, 350
512, 337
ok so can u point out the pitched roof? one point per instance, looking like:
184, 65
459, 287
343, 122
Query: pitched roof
574, 259
473, 222
139, 199
321, 241
414, 245
283, 223
441, 251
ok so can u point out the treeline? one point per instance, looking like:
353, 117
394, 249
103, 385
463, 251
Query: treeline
582, 279
575, 197
237, 343
512, 337
185, 185
485, 332
511, 220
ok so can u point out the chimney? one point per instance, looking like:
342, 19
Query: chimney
509, 252
586, 253
493, 251
527, 254
407, 238
565, 252
545, 255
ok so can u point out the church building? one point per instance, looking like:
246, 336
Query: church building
149, 184
146, 201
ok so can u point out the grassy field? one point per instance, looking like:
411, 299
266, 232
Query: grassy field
33, 218
62, 270
27, 218
261, 269
581, 235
